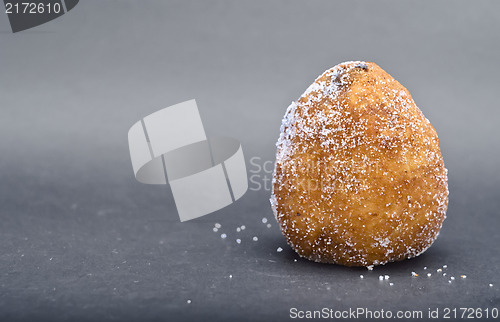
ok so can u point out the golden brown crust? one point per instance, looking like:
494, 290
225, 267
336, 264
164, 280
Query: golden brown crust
359, 177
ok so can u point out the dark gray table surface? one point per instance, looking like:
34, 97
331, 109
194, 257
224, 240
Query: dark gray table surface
80, 239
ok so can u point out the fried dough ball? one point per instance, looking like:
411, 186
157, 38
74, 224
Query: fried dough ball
359, 178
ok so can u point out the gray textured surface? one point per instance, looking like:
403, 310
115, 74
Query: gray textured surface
80, 239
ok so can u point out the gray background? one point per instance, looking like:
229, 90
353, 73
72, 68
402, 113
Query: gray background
80, 239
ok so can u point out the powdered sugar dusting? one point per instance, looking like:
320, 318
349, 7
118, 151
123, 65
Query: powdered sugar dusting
321, 140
